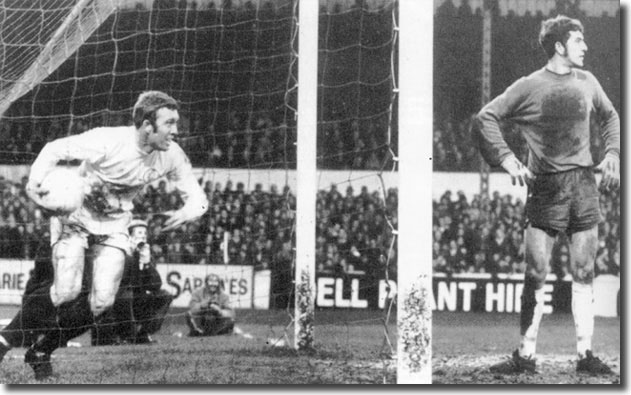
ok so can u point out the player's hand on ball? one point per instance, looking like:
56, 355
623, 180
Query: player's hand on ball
517, 171
36, 192
610, 169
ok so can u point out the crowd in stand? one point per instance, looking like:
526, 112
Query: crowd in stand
257, 228
240, 228
259, 143
485, 235
353, 229
353, 232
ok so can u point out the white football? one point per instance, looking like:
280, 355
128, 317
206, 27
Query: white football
66, 190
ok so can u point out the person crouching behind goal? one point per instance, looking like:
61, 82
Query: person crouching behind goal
117, 163
210, 312
141, 305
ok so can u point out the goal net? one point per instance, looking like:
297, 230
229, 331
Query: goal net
37, 37
70, 66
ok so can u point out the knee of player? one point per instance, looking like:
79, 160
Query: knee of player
62, 293
583, 274
583, 261
98, 305
536, 275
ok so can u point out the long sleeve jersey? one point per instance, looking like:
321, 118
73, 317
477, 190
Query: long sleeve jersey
553, 113
116, 170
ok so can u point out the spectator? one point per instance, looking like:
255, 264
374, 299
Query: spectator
210, 312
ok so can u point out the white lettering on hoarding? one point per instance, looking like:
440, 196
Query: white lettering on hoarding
506, 297
180, 280
466, 288
14, 274
325, 290
330, 293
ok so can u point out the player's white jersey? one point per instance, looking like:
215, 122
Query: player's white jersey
116, 170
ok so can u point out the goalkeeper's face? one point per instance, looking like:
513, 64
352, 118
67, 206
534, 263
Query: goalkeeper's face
164, 130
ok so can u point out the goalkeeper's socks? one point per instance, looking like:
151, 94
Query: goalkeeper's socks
583, 312
74, 319
12, 335
37, 314
531, 313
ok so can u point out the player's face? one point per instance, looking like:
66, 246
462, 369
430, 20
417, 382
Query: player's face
139, 235
575, 49
164, 129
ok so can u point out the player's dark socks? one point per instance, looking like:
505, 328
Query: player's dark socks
122, 314
38, 315
74, 319
528, 303
14, 333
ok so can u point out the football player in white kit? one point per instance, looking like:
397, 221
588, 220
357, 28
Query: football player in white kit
117, 163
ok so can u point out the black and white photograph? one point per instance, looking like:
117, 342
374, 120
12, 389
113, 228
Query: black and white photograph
526, 202
310, 192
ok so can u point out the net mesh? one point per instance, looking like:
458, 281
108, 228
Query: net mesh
232, 66
37, 37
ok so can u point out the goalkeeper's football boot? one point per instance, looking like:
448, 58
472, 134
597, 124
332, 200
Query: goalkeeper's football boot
592, 365
517, 364
40, 362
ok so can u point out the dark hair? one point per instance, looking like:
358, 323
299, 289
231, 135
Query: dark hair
555, 30
149, 103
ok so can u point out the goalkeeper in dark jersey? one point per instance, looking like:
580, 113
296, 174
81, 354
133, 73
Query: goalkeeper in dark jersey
552, 108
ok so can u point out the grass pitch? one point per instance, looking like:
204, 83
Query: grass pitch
350, 349
466, 344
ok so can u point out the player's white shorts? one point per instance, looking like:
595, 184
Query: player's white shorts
63, 227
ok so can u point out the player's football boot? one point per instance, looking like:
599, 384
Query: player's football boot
40, 362
591, 364
517, 364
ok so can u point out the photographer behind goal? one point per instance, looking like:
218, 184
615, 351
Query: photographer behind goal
210, 312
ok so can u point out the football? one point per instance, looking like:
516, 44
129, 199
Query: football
66, 190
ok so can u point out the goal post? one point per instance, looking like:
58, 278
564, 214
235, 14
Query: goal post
414, 322
306, 173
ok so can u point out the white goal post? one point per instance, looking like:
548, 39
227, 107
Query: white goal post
414, 323
306, 174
